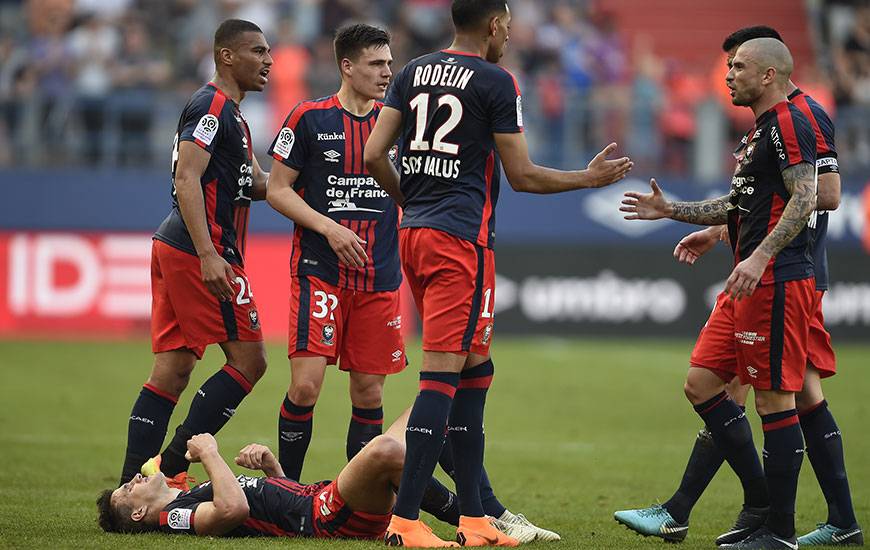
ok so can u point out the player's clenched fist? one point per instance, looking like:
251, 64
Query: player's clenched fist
606, 171
200, 446
256, 457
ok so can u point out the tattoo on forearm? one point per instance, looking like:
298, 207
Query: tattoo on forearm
709, 212
799, 181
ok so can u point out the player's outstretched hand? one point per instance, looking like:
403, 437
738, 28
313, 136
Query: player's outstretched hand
645, 206
257, 457
696, 244
217, 275
745, 277
604, 171
199, 446
347, 245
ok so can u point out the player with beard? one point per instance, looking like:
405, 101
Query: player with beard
200, 292
459, 116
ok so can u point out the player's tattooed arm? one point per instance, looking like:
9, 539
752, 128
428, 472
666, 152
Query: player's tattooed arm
799, 181
654, 206
709, 212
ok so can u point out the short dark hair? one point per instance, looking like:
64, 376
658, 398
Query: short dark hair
116, 519
746, 34
229, 31
351, 40
471, 14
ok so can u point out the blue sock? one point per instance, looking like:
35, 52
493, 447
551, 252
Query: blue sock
440, 502
491, 505
294, 434
365, 425
213, 405
465, 431
825, 451
424, 437
704, 462
146, 429
730, 429
783, 454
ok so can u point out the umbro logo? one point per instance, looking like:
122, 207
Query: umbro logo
331, 155
450, 61
290, 437
397, 355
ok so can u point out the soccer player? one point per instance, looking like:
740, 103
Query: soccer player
200, 292
458, 113
344, 267
760, 325
820, 430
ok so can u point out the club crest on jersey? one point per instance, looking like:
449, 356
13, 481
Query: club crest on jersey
284, 143
487, 334
328, 335
206, 129
255, 319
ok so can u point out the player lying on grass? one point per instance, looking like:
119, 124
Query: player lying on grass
358, 504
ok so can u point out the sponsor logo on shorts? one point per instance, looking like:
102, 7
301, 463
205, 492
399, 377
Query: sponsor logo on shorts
752, 371
328, 335
397, 355
487, 333
749, 337
255, 319
179, 518
395, 322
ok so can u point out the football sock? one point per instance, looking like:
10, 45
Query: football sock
365, 425
732, 434
465, 431
491, 505
213, 405
146, 429
825, 451
424, 438
783, 454
704, 462
440, 502
294, 435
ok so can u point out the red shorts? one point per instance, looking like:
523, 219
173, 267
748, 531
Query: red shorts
364, 329
184, 314
332, 518
769, 330
820, 353
453, 283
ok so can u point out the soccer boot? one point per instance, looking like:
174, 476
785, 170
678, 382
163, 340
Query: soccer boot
748, 521
520, 528
654, 521
412, 533
764, 539
828, 535
181, 480
474, 531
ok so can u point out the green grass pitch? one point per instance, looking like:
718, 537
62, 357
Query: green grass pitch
575, 430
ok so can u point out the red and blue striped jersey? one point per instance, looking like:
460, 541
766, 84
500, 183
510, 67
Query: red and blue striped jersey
213, 121
325, 144
278, 507
452, 103
826, 162
781, 137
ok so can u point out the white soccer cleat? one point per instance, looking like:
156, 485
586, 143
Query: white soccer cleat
520, 528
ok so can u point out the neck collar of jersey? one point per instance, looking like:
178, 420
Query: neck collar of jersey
770, 112
795, 93
457, 52
221, 92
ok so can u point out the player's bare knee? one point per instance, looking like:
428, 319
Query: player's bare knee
369, 397
304, 392
386, 451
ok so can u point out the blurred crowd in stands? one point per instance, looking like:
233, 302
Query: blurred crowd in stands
102, 82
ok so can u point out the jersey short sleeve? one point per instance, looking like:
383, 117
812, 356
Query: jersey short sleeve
826, 157
290, 146
178, 516
506, 105
795, 141
202, 122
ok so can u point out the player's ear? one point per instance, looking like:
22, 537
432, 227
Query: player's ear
225, 56
346, 66
493, 26
139, 513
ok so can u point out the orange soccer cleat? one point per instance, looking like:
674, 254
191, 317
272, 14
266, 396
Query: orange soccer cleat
181, 480
480, 532
413, 533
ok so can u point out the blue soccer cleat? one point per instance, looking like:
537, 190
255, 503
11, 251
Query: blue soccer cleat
654, 521
828, 535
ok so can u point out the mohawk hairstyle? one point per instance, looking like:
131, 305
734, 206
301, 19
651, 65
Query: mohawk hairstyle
351, 40
471, 14
745, 34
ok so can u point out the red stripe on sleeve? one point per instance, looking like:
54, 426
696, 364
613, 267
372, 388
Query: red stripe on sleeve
789, 138
800, 101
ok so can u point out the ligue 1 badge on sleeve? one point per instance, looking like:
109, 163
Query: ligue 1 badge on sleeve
255, 319
328, 335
